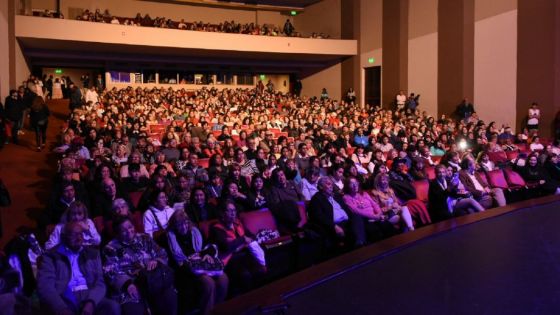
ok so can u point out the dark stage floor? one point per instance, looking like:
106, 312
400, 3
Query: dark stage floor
504, 265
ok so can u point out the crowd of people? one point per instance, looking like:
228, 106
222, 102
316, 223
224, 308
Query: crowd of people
233, 27
152, 183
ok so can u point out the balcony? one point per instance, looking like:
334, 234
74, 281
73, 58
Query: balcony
70, 43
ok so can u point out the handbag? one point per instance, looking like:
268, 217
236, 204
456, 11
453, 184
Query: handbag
206, 262
157, 280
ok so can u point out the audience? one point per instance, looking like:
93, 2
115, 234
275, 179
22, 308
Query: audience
354, 170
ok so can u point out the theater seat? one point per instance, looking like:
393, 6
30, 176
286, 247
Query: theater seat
138, 221
205, 226
512, 155
135, 197
255, 221
422, 187
497, 157
204, 163
514, 180
99, 224
431, 172
302, 214
496, 179
483, 178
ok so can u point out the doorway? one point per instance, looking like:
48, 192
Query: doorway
373, 85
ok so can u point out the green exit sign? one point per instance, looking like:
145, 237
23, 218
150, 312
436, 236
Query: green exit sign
58, 71
371, 60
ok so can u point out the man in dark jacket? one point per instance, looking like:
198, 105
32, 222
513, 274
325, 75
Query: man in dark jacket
14, 113
70, 277
75, 97
330, 217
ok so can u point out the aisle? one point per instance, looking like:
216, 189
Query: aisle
29, 174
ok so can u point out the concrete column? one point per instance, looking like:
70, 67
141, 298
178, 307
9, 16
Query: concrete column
395, 49
538, 61
455, 53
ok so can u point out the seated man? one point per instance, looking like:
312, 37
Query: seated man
480, 190
330, 217
63, 285
136, 182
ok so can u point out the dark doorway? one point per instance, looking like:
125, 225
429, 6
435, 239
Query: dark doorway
373, 85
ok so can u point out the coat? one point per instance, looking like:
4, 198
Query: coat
54, 274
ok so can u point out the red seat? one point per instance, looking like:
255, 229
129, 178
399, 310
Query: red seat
205, 226
255, 221
514, 180
99, 224
302, 214
496, 179
431, 172
204, 163
135, 197
422, 188
512, 155
483, 178
497, 156
138, 221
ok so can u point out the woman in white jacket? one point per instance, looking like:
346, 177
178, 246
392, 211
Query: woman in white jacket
156, 218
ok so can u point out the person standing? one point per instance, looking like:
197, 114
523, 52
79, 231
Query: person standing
288, 28
39, 118
534, 115
14, 113
75, 97
465, 109
400, 99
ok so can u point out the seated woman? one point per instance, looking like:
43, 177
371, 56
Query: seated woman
199, 209
392, 208
374, 221
484, 163
532, 172
76, 212
536, 144
231, 192
259, 196
235, 176
363, 160
120, 156
184, 240
128, 258
160, 160
156, 218
446, 199
242, 256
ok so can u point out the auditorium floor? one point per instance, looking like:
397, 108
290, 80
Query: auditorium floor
504, 265
28, 174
